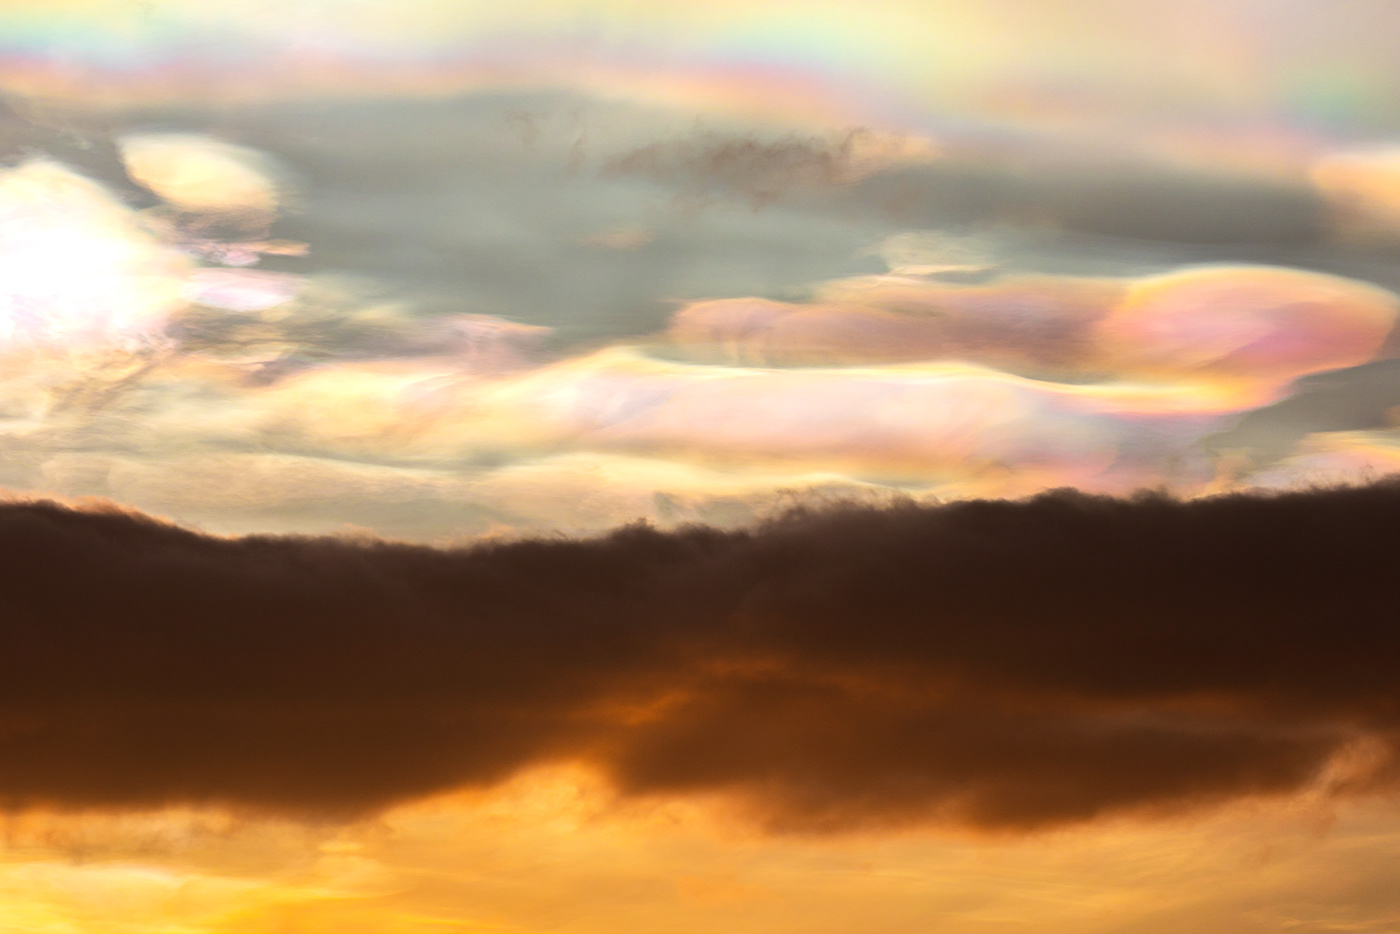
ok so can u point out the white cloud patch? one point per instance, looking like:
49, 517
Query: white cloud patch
77, 267
202, 175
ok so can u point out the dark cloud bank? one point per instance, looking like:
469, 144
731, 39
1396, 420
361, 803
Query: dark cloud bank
1004, 664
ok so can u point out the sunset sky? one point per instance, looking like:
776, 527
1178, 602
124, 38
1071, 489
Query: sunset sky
814, 467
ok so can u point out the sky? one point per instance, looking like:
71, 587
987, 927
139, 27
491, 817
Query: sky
767, 466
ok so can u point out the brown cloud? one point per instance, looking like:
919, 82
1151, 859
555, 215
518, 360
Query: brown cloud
764, 170
1004, 664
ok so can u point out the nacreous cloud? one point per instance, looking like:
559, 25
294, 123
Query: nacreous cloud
1040, 324
204, 176
1363, 189
1003, 664
1255, 324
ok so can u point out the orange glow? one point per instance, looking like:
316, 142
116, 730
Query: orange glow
552, 851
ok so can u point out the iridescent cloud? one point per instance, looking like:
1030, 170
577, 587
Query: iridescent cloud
1258, 324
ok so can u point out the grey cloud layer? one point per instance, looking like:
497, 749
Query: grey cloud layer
501, 203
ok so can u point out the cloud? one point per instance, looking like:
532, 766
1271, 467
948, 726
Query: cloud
204, 176
247, 492
283, 318
1346, 400
926, 422
242, 289
1334, 457
1003, 664
1260, 323
1085, 193
1362, 187
1004, 387
1039, 324
459, 402
982, 177
922, 252
763, 170
300, 366
77, 268
1234, 323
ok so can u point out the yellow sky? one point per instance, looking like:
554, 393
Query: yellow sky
550, 851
